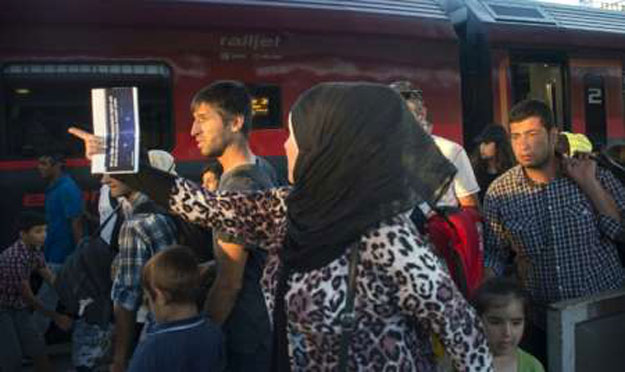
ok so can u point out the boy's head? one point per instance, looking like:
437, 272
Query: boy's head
32, 228
211, 174
159, 159
502, 306
171, 277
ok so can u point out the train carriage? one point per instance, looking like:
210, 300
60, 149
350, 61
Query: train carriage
473, 59
53, 53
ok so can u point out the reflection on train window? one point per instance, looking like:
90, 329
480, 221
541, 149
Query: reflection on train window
38, 102
266, 108
540, 80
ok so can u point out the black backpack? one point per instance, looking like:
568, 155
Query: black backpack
86, 277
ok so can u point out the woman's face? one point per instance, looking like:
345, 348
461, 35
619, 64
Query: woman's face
488, 150
290, 146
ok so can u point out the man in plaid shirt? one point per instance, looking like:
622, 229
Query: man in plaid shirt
559, 215
142, 235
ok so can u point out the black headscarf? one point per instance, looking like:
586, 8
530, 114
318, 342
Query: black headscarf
362, 159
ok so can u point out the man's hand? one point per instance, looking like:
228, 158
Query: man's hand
63, 322
582, 169
93, 144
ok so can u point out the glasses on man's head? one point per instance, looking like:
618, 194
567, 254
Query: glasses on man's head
406, 90
413, 94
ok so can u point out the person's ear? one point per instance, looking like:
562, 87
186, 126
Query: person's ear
160, 297
236, 124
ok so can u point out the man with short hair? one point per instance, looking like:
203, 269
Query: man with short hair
559, 215
143, 233
222, 116
63, 210
464, 188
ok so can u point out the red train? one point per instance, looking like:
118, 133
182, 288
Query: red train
472, 58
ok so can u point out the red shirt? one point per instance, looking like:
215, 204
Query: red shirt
16, 264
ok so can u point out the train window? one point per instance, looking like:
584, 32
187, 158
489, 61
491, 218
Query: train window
266, 107
517, 12
38, 102
540, 80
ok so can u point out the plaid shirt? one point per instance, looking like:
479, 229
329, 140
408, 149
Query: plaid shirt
140, 237
563, 248
16, 264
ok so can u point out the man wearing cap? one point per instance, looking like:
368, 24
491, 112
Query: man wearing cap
464, 189
63, 210
558, 216
572, 143
142, 234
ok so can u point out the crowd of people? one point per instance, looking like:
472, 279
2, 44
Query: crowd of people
348, 267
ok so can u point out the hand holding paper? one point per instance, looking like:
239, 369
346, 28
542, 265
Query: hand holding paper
94, 145
114, 145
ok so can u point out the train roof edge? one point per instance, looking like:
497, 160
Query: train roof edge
407, 18
533, 22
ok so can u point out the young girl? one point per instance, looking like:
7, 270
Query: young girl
502, 305
492, 157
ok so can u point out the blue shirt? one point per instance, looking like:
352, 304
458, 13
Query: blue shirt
63, 203
193, 344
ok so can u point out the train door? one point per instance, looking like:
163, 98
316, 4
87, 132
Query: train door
542, 78
597, 99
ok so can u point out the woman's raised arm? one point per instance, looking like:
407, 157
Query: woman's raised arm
257, 217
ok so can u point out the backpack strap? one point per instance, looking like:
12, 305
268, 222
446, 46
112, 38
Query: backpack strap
108, 219
114, 244
347, 318
150, 207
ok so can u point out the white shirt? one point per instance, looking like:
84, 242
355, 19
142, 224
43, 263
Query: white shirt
105, 209
464, 183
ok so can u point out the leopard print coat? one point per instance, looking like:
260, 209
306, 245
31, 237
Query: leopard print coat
402, 294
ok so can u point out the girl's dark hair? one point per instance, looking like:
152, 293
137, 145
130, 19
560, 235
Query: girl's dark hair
504, 158
491, 292
214, 166
26, 220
